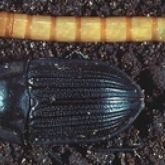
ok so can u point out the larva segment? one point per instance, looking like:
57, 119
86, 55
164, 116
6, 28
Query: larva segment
28, 27
154, 28
53, 29
116, 29
141, 29
90, 29
6, 24
78, 29
161, 29
9, 25
40, 27
66, 28
103, 35
3, 20
19, 26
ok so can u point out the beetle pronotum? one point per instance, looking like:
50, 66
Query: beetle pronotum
82, 29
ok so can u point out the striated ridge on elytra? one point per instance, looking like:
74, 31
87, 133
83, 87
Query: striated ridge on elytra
78, 101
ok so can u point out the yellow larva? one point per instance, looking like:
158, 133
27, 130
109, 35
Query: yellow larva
82, 29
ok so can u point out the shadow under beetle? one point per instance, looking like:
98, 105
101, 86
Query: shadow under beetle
52, 101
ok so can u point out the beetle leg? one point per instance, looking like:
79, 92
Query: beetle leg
56, 159
8, 136
115, 149
12, 151
76, 55
19, 158
132, 148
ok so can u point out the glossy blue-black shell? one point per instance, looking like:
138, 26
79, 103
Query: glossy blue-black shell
78, 101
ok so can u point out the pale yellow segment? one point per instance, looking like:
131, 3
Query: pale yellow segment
161, 29
41, 27
66, 28
90, 29
3, 21
19, 25
116, 29
141, 29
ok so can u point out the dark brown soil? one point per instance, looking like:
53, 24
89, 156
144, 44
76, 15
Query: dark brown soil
144, 62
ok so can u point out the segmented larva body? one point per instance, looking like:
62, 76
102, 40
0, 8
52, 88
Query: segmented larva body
82, 29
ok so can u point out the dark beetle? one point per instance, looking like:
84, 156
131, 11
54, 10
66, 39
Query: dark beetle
50, 101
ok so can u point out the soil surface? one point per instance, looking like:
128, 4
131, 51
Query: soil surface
144, 62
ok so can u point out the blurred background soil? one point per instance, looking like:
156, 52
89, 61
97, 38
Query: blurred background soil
144, 62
